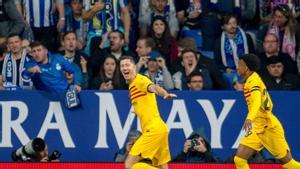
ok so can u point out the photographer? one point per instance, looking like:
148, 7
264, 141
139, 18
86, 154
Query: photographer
196, 150
122, 153
36, 150
43, 156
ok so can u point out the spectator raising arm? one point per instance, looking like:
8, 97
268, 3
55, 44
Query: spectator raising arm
125, 17
90, 13
61, 22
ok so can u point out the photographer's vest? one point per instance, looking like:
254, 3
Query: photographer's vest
3, 16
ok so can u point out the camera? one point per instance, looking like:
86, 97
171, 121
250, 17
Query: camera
194, 142
54, 155
28, 151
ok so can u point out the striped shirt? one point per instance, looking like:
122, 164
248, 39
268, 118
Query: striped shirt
77, 25
259, 102
109, 18
143, 101
39, 13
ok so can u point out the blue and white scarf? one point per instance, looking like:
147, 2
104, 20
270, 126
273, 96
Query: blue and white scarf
157, 79
9, 71
230, 54
165, 13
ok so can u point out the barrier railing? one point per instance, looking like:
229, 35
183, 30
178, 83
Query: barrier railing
121, 166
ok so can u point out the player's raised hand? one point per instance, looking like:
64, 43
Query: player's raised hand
170, 96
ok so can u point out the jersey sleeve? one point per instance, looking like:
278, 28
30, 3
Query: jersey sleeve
142, 83
255, 99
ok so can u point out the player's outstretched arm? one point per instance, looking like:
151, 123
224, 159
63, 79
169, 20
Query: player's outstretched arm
160, 91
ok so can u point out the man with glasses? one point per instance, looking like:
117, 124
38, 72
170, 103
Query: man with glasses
271, 49
196, 81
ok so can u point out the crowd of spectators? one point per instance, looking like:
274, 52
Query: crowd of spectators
179, 44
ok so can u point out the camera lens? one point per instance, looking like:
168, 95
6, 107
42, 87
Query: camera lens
55, 155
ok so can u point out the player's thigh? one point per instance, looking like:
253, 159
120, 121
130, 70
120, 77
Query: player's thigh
249, 145
145, 146
149, 145
162, 155
245, 152
274, 141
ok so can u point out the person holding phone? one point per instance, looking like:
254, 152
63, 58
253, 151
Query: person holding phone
109, 77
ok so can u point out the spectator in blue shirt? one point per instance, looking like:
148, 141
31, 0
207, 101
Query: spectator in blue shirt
48, 70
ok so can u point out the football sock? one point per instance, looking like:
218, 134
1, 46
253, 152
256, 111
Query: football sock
240, 163
292, 165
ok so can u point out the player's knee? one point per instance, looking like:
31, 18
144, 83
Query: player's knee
240, 162
136, 166
288, 157
128, 165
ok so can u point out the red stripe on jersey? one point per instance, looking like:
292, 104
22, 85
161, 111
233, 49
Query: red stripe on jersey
134, 93
246, 92
144, 94
248, 95
131, 87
